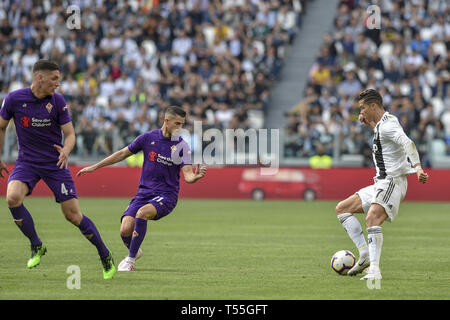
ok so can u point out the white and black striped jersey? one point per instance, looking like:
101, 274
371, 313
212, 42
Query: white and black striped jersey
388, 150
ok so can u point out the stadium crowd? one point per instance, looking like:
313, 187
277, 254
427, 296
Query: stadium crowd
407, 60
128, 60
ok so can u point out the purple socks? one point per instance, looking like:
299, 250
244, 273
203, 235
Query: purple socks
88, 229
140, 228
25, 223
126, 241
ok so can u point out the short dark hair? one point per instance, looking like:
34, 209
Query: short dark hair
371, 96
175, 111
45, 65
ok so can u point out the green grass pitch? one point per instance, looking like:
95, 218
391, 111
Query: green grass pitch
215, 249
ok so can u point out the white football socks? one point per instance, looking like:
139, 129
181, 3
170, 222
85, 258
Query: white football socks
375, 236
354, 230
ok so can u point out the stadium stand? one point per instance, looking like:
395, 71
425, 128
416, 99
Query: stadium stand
407, 59
129, 60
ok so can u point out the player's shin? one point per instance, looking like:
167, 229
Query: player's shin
375, 237
25, 222
88, 229
140, 229
355, 232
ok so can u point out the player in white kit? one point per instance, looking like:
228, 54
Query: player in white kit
395, 157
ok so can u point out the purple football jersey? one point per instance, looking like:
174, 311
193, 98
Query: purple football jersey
38, 125
163, 159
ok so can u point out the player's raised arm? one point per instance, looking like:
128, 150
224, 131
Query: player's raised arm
399, 136
190, 176
3, 126
114, 158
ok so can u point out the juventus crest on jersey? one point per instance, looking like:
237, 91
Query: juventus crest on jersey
388, 152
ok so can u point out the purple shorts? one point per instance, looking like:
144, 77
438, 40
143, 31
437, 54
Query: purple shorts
58, 180
163, 204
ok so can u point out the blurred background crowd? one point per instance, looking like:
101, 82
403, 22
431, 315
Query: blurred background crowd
131, 59
407, 60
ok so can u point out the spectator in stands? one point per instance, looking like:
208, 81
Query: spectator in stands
320, 160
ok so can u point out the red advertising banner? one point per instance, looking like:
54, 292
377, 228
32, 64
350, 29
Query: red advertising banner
248, 183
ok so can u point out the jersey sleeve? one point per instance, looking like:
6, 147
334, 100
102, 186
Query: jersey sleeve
62, 109
137, 144
6, 109
393, 131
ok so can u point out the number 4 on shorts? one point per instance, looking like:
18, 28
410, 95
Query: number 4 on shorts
64, 190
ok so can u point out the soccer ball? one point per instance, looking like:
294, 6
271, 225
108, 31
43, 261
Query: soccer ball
342, 261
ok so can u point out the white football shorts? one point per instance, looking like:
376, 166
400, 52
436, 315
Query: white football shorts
388, 193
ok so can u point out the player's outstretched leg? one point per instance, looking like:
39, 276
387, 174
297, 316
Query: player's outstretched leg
354, 230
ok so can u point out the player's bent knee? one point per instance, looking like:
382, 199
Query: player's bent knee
146, 214
343, 207
126, 232
14, 200
339, 208
72, 211
74, 218
73, 215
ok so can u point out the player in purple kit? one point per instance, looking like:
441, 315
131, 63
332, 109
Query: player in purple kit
165, 153
39, 116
